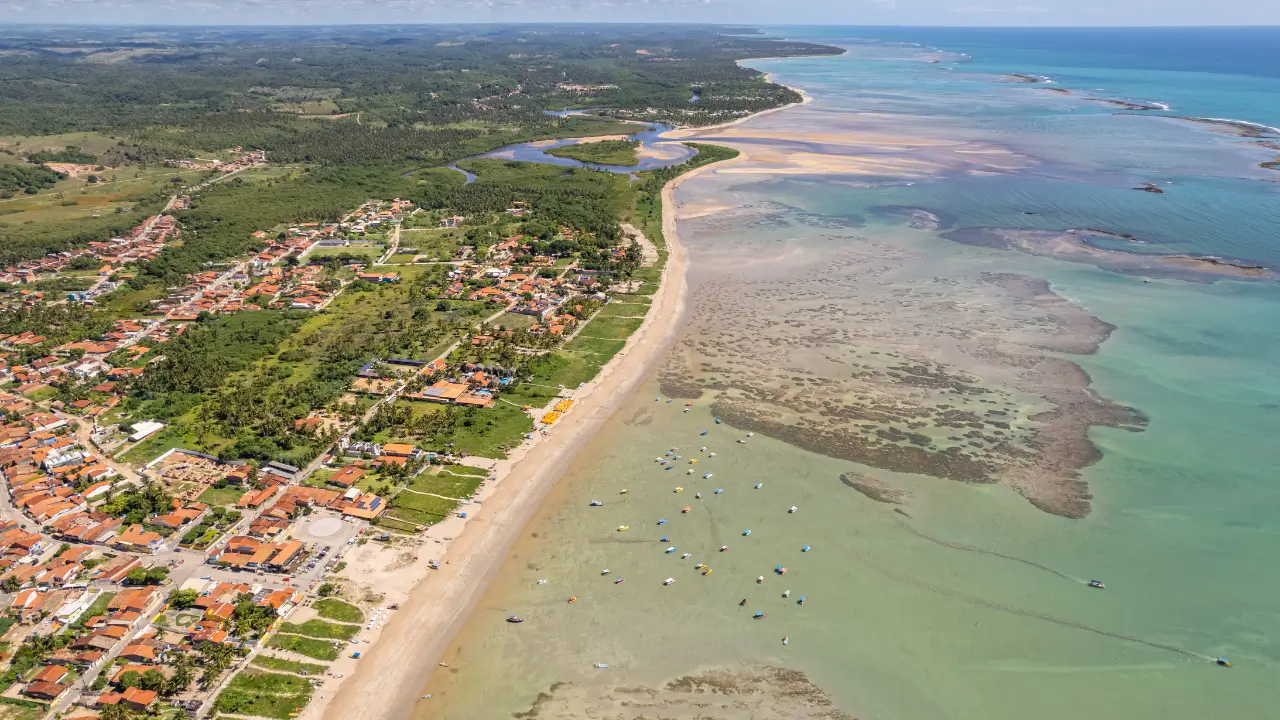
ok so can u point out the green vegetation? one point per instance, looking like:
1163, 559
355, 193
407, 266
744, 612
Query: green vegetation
600, 152
447, 483
335, 609
275, 663
271, 695
28, 179
312, 648
321, 629
420, 509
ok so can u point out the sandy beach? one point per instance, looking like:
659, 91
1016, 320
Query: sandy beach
385, 682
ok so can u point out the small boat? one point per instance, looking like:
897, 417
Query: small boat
662, 461
623, 528
707, 571
670, 549
513, 619
792, 509
744, 602
806, 548
668, 467
688, 404
679, 489
689, 472
786, 593
686, 556
746, 533
1096, 584
751, 434
801, 601
759, 485
602, 666
605, 571
703, 448
665, 539
596, 503
744, 442
759, 615
760, 580
662, 521
1223, 662
623, 491
704, 432
697, 496
693, 461
542, 582
786, 639
669, 581
686, 409
699, 566
573, 599
719, 490
723, 548
718, 421
707, 476
619, 581
780, 570
711, 454
685, 509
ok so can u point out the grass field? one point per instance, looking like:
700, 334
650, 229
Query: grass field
420, 509
439, 243
221, 496
447, 483
275, 663
321, 629
312, 648
264, 694
335, 609
615, 328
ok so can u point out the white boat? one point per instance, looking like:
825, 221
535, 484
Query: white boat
792, 509
669, 581
686, 556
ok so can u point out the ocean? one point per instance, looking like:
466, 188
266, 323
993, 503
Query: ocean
943, 312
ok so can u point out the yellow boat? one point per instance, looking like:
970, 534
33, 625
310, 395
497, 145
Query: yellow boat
707, 571
685, 509
693, 461
621, 528
679, 489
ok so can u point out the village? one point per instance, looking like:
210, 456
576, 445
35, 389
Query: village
133, 587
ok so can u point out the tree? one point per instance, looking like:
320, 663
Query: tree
183, 599
114, 712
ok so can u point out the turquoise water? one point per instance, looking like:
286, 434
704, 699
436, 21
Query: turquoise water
972, 607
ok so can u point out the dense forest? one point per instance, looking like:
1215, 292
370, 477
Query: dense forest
28, 179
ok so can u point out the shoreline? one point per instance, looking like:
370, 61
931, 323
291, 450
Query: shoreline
687, 132
385, 683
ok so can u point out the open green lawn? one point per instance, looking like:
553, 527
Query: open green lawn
275, 663
617, 328
321, 629
311, 647
447, 483
493, 431
335, 609
271, 695
372, 253
421, 509
221, 496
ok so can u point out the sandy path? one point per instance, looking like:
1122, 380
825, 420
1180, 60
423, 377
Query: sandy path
387, 679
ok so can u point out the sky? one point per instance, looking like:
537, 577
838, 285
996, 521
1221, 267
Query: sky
760, 12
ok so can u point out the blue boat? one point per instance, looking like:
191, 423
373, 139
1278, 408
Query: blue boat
719, 490
665, 539
662, 521
718, 421
806, 548
746, 532
704, 432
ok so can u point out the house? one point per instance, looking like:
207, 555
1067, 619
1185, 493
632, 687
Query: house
132, 698
398, 450
44, 690
346, 477
136, 539
50, 674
